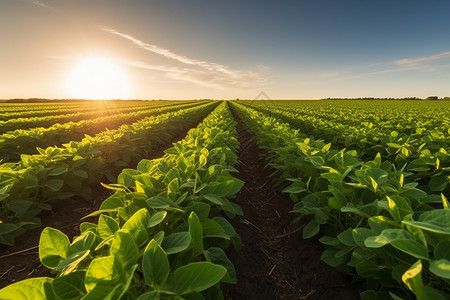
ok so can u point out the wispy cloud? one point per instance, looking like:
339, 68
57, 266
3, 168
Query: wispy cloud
200, 72
420, 64
42, 4
421, 60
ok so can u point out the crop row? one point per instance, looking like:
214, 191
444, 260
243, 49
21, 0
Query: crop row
374, 220
161, 235
45, 121
426, 151
15, 143
60, 173
64, 108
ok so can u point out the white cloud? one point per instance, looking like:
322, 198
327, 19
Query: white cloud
421, 60
200, 72
42, 4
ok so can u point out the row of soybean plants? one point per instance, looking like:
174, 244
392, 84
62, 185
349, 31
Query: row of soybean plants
161, 235
65, 108
373, 220
425, 149
95, 110
15, 143
60, 173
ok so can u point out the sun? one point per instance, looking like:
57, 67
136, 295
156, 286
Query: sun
98, 78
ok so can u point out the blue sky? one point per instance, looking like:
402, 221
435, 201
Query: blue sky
230, 49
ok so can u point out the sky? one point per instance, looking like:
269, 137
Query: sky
231, 49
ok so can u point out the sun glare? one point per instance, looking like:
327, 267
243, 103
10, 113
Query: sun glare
98, 78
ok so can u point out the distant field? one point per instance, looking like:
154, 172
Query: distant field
364, 182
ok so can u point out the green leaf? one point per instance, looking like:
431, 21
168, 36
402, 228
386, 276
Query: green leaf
57, 171
103, 273
197, 277
55, 184
176, 242
311, 229
54, 247
124, 249
214, 199
137, 226
153, 295
386, 237
393, 209
196, 231
145, 166
438, 183
107, 226
346, 238
412, 248
157, 218
71, 262
436, 221
155, 264
413, 280
6, 228
441, 251
70, 286
441, 268
217, 256
33, 288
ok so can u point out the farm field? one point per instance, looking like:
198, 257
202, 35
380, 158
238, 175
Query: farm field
339, 199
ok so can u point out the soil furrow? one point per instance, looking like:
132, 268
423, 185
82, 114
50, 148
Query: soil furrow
275, 262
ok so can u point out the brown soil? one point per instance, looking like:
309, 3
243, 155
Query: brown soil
22, 260
275, 262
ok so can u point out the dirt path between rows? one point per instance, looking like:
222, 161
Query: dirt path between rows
275, 262
22, 260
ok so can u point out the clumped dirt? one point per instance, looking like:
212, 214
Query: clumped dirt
22, 260
275, 262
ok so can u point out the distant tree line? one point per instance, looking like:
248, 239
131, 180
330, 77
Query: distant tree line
404, 98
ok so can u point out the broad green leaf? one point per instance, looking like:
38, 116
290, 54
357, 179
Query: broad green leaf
157, 218
346, 238
155, 264
412, 248
196, 231
55, 184
214, 199
153, 295
107, 226
197, 277
83, 242
70, 286
438, 183
137, 226
360, 234
124, 249
413, 280
311, 229
441, 251
54, 247
217, 256
33, 288
71, 262
386, 237
57, 171
441, 268
176, 242
436, 221
103, 272
6, 228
